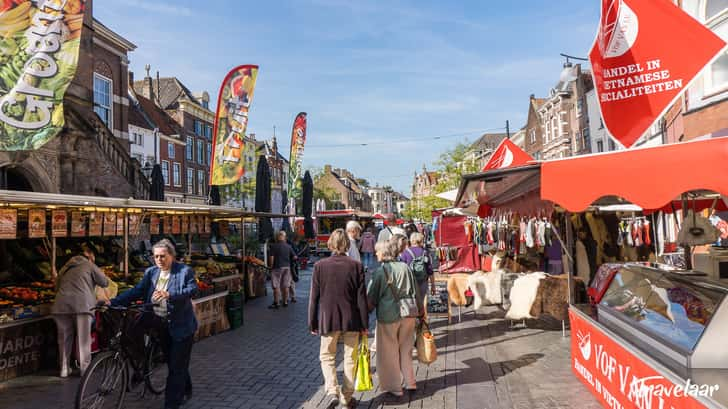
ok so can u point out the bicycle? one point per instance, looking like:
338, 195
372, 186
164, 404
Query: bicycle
107, 378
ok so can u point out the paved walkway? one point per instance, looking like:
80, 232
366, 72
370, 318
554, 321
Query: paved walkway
272, 362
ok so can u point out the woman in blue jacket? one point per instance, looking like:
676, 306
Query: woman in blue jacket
169, 285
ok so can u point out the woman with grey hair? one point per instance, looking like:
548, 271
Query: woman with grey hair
170, 286
392, 282
353, 232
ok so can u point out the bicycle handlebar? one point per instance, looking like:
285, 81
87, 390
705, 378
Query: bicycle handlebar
123, 308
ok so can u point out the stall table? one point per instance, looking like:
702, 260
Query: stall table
26, 346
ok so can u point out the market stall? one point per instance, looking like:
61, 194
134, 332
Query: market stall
39, 232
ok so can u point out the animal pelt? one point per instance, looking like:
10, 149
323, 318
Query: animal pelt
506, 285
552, 297
523, 295
457, 284
486, 288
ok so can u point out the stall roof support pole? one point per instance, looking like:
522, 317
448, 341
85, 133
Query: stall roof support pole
54, 270
242, 236
126, 245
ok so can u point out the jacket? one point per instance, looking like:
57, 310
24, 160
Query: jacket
182, 286
380, 294
338, 300
367, 242
76, 286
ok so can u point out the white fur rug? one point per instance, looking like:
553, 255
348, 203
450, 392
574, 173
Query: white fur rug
523, 294
486, 288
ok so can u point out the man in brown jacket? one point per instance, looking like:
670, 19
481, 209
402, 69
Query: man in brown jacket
338, 309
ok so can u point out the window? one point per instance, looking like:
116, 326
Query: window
612, 145
200, 152
601, 123
137, 138
533, 136
189, 148
205, 104
208, 131
200, 183
190, 181
176, 174
715, 13
579, 107
600, 146
587, 140
103, 98
165, 172
209, 153
170, 150
198, 127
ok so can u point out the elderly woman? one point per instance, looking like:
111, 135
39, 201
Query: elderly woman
75, 296
391, 282
417, 257
170, 286
353, 232
338, 310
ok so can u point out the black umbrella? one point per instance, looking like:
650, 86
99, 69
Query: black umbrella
286, 226
262, 199
214, 195
306, 205
156, 190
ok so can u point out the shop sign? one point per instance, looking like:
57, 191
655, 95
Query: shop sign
120, 224
193, 224
60, 223
78, 224
185, 224
621, 380
135, 224
154, 224
176, 222
168, 224
36, 223
207, 227
95, 223
109, 224
8, 223
224, 228
26, 348
643, 58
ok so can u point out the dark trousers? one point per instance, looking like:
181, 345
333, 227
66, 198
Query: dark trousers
179, 382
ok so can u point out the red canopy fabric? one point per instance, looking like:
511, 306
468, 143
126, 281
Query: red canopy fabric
648, 177
451, 233
507, 155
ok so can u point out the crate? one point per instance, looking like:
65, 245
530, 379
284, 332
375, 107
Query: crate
235, 316
26, 312
234, 300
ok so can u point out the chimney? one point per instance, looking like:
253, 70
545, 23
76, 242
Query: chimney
148, 87
532, 96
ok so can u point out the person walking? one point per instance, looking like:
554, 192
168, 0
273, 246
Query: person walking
337, 310
353, 232
417, 258
75, 297
390, 229
170, 286
368, 240
280, 257
391, 282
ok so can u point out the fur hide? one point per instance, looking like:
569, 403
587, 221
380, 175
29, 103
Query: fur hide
457, 284
552, 297
506, 284
486, 288
523, 295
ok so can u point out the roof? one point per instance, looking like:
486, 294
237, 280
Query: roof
137, 117
170, 90
166, 124
108, 34
433, 177
488, 141
538, 102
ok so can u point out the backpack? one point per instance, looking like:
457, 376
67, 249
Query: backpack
419, 265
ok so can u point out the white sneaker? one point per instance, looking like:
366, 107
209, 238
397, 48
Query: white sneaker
64, 372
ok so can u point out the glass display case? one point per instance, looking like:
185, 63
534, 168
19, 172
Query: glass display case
678, 318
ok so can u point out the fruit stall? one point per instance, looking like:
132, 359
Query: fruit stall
39, 232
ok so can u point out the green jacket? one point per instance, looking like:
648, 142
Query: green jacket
380, 294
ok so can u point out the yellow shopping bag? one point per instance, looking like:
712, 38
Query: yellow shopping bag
363, 380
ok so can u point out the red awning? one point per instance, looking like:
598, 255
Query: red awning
648, 177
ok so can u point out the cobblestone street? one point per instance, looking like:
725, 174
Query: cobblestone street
272, 362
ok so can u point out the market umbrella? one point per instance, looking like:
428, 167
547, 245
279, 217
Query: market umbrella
215, 195
262, 199
284, 205
156, 190
306, 205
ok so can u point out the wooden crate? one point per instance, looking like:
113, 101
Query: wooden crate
211, 315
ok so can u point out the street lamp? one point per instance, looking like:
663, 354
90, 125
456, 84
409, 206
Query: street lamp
147, 170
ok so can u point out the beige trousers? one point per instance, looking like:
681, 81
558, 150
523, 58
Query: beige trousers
327, 355
394, 355
74, 328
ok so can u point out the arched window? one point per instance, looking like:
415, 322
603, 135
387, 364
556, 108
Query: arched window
715, 16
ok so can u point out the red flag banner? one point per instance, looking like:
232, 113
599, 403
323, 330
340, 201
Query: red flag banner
507, 155
233, 104
645, 54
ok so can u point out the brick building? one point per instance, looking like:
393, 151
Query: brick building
533, 142
350, 195
195, 119
424, 183
91, 155
481, 150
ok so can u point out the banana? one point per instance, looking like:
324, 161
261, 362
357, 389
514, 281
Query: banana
16, 13
10, 29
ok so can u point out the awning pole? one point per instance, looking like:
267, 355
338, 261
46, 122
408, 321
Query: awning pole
126, 244
54, 271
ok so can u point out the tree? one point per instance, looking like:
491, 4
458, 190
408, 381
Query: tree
322, 190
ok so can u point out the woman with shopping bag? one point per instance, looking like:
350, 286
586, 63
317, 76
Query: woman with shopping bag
392, 291
338, 310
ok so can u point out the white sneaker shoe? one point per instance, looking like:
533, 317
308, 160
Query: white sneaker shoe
64, 372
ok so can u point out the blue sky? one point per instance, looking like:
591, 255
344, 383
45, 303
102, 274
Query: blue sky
365, 71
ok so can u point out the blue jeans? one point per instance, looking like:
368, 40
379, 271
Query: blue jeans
179, 382
367, 259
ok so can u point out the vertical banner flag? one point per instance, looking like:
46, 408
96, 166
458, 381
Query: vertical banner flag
645, 54
295, 171
39, 43
233, 104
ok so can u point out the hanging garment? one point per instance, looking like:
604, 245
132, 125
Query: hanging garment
582, 262
490, 234
529, 234
646, 233
660, 227
547, 234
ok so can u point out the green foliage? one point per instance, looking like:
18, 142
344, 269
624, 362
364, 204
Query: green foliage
322, 191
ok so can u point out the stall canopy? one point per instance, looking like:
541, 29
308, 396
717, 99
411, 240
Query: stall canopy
648, 177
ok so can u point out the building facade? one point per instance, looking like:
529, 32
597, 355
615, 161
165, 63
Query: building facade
564, 119
533, 143
382, 199
424, 183
349, 194
482, 149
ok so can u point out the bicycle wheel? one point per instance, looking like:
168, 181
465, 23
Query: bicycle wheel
104, 383
155, 368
